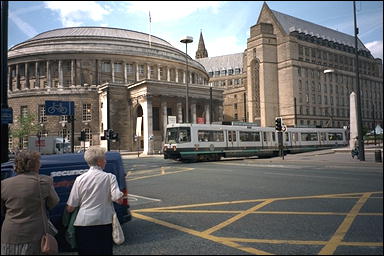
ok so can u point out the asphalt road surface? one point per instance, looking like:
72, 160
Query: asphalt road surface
317, 203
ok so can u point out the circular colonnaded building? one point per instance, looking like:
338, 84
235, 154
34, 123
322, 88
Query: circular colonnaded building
118, 79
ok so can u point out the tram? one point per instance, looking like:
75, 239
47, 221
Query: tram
211, 142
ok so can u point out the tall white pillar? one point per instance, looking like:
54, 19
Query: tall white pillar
353, 120
179, 112
148, 126
158, 72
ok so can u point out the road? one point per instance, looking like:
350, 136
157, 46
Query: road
312, 203
304, 204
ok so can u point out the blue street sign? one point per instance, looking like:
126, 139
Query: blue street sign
59, 108
6, 115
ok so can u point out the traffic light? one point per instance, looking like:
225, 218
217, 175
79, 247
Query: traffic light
110, 134
278, 124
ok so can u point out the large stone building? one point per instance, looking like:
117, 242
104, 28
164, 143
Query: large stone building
281, 73
143, 78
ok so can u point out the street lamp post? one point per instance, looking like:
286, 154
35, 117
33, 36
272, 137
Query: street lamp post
210, 103
63, 124
186, 41
358, 98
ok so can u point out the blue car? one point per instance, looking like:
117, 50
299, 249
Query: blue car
64, 169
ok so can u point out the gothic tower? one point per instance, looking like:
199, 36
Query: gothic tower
201, 51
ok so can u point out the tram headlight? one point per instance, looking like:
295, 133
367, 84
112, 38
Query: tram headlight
165, 148
174, 148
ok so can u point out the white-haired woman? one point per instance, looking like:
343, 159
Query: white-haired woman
93, 192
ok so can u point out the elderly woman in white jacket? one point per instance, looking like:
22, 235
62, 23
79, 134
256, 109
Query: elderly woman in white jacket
93, 192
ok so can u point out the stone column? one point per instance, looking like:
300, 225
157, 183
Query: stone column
207, 114
137, 72
179, 112
17, 77
61, 74
125, 72
113, 71
168, 74
148, 126
97, 82
148, 71
165, 117
158, 72
184, 77
49, 75
177, 75
26, 76
193, 112
73, 73
37, 75
220, 113
78, 79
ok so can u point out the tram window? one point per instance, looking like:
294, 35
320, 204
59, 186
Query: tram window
286, 135
249, 136
335, 136
232, 136
309, 136
184, 135
295, 136
323, 137
205, 136
273, 136
178, 135
265, 137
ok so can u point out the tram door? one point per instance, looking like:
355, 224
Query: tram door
231, 141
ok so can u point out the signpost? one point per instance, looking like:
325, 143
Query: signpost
62, 108
6, 116
59, 108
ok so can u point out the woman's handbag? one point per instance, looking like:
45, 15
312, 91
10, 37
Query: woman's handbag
117, 231
48, 242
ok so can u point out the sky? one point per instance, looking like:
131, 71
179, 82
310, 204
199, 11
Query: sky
225, 24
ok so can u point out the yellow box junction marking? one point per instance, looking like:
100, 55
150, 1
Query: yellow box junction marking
329, 246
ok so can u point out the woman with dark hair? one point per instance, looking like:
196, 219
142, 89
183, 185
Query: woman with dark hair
22, 228
93, 192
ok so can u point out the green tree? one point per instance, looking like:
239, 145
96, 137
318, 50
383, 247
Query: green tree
24, 126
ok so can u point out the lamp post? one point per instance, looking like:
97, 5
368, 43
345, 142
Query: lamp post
210, 103
63, 124
186, 41
359, 120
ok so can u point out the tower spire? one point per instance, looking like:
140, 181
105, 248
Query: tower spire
201, 50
